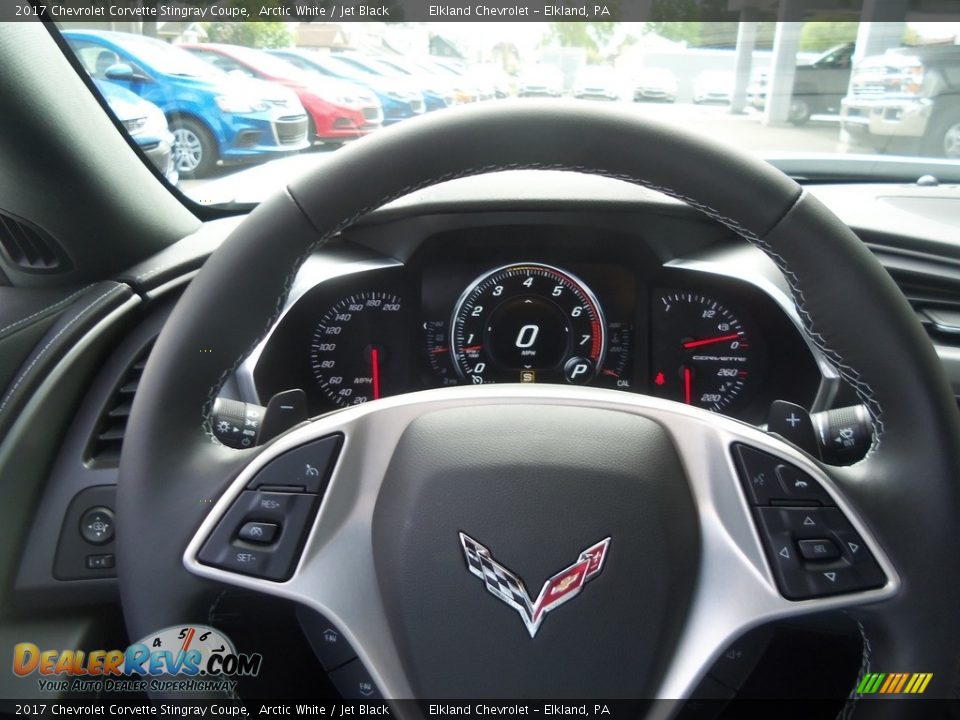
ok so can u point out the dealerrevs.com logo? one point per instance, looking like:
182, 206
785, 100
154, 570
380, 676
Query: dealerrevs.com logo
181, 658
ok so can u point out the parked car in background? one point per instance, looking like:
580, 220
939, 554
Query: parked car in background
818, 86
215, 118
338, 111
540, 81
484, 86
907, 99
437, 90
597, 82
146, 124
405, 84
713, 86
495, 76
464, 90
397, 103
655, 84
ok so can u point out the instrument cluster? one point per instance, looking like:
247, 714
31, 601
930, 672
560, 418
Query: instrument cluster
541, 317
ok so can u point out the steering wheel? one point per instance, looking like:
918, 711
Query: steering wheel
441, 505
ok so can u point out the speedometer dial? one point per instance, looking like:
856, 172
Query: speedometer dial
352, 349
703, 353
528, 322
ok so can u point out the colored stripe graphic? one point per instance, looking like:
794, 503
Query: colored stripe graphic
894, 683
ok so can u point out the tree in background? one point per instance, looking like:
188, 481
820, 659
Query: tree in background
817, 36
250, 34
588, 35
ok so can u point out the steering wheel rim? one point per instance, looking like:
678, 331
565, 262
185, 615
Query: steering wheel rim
171, 468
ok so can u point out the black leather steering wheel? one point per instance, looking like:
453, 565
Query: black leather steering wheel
539, 473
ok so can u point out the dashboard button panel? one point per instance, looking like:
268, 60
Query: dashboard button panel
771, 481
304, 469
229, 548
263, 532
813, 549
791, 534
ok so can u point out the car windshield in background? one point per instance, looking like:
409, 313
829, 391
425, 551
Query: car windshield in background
231, 111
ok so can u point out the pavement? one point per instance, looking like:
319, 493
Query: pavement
745, 132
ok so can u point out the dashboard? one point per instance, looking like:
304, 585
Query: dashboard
517, 301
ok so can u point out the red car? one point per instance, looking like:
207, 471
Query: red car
338, 110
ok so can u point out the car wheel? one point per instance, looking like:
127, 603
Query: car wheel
194, 150
943, 137
800, 111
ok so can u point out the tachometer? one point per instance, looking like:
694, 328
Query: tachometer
527, 322
351, 349
702, 352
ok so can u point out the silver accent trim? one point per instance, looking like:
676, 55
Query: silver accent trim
316, 270
735, 590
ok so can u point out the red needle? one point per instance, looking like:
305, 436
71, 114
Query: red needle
710, 341
472, 348
688, 386
375, 362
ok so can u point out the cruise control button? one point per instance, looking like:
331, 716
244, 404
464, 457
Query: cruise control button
305, 469
258, 532
820, 549
293, 512
354, 682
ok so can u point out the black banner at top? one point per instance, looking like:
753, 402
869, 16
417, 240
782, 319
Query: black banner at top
66, 11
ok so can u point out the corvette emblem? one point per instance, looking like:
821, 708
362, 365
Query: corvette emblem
507, 586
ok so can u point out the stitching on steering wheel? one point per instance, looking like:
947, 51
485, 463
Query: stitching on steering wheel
861, 387
850, 704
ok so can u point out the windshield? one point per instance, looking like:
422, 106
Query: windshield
266, 63
164, 58
814, 98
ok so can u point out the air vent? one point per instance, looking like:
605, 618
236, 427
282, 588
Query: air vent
30, 248
105, 445
933, 289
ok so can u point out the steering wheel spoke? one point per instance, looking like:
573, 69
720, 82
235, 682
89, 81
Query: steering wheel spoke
772, 537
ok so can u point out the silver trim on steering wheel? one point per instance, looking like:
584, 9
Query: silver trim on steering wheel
735, 589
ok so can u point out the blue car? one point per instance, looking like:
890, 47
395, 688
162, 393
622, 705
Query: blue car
398, 101
145, 123
215, 118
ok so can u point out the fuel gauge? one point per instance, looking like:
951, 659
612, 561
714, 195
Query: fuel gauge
438, 352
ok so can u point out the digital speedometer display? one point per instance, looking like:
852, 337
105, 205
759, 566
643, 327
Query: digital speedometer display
527, 322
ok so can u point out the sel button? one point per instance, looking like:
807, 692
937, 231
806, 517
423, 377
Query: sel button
818, 549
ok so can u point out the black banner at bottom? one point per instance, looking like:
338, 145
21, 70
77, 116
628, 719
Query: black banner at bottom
613, 710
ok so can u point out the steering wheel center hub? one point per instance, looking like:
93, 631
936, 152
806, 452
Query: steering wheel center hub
524, 552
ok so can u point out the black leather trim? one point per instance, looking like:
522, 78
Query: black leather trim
907, 489
170, 464
179, 259
88, 308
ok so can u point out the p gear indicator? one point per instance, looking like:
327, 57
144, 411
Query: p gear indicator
528, 322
